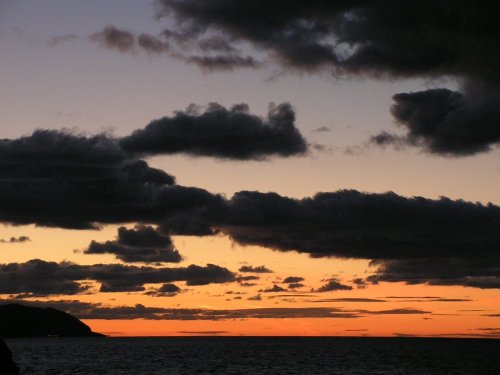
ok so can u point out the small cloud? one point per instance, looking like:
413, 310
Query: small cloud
333, 285
295, 285
293, 279
258, 297
63, 39
321, 129
259, 269
359, 282
19, 239
275, 289
166, 290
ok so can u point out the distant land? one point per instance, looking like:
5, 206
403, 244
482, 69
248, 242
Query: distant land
27, 321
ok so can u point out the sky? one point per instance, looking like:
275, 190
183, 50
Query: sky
182, 167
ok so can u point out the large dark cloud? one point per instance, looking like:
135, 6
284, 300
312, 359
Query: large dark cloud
140, 244
439, 37
373, 39
38, 277
57, 178
62, 179
447, 122
352, 224
232, 133
387, 228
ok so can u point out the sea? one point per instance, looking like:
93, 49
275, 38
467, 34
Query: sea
256, 355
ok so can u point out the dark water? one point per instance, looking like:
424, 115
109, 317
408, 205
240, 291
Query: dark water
247, 355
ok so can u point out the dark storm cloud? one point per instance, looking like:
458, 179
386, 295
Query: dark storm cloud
353, 224
56, 178
356, 37
39, 277
447, 122
232, 133
370, 39
385, 227
141, 244
295, 285
19, 239
257, 269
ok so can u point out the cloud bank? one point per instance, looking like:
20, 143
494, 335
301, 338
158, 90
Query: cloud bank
41, 278
370, 39
86, 310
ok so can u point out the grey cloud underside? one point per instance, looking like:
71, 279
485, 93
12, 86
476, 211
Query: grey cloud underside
39, 278
86, 310
222, 133
141, 244
371, 39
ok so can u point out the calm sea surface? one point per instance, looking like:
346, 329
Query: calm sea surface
256, 355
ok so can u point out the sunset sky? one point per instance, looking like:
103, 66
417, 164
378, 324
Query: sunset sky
185, 167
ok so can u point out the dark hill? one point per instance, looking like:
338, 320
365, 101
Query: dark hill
28, 321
